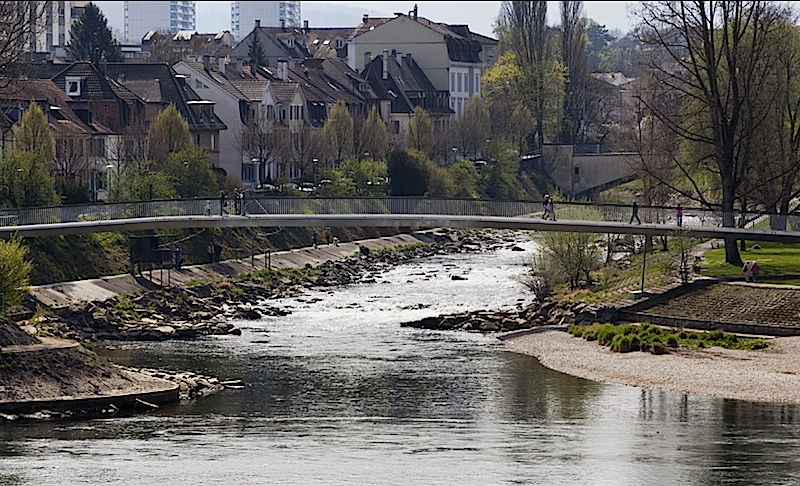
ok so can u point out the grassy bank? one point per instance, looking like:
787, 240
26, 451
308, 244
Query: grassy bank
772, 258
649, 338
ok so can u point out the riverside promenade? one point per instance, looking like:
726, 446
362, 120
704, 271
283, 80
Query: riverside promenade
60, 295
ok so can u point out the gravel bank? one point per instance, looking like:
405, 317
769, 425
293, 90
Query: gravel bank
757, 376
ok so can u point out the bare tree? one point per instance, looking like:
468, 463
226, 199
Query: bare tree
720, 56
473, 127
573, 54
20, 23
525, 27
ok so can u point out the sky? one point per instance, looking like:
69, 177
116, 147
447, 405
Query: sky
480, 16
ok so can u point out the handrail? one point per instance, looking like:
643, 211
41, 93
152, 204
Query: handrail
255, 205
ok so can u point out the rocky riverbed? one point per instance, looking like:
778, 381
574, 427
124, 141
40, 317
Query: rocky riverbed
207, 308
544, 313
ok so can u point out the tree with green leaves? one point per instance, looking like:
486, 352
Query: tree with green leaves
419, 134
465, 179
168, 133
256, 51
339, 132
366, 177
502, 169
15, 270
89, 32
473, 127
26, 181
140, 182
374, 136
35, 135
190, 173
413, 173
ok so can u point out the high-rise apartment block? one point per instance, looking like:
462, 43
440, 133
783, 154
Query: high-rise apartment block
142, 16
271, 14
53, 32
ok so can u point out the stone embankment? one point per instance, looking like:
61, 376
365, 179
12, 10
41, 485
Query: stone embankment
206, 309
546, 313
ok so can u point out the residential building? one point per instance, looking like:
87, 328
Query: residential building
83, 145
398, 78
143, 16
186, 44
271, 14
53, 35
239, 96
449, 55
158, 85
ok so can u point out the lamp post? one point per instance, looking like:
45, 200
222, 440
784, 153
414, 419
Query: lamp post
109, 174
257, 163
314, 163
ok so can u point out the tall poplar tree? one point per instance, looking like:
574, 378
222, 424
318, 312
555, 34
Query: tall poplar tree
374, 136
168, 133
339, 132
419, 134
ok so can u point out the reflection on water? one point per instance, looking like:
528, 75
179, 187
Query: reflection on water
338, 393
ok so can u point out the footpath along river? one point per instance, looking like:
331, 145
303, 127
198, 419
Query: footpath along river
338, 393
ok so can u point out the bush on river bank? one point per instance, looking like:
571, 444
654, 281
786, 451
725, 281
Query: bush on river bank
649, 338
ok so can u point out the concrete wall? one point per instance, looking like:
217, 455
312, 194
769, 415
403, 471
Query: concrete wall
578, 173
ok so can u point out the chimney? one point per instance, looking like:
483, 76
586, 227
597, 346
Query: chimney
96, 57
365, 18
408, 59
240, 66
207, 63
283, 24
283, 70
221, 62
397, 57
415, 11
258, 23
305, 24
367, 58
386, 64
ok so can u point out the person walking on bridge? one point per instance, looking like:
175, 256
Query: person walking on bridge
635, 213
679, 214
550, 210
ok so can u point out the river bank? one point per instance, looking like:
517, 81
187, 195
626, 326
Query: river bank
51, 377
771, 375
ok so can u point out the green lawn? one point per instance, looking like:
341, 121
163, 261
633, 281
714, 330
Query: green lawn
772, 258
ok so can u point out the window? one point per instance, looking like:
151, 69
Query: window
477, 83
396, 126
248, 172
198, 84
452, 82
459, 82
339, 43
213, 142
197, 139
97, 147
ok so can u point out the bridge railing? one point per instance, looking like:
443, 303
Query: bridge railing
264, 205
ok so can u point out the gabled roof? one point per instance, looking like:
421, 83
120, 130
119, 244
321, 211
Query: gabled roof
249, 86
462, 44
53, 100
95, 85
158, 83
404, 83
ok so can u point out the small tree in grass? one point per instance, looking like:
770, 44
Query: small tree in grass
15, 270
682, 245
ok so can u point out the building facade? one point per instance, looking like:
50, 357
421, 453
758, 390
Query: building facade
271, 14
143, 16
53, 35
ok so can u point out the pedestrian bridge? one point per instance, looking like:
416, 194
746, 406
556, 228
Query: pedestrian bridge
416, 212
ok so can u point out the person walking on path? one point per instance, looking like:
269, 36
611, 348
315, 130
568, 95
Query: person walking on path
222, 203
635, 213
208, 208
546, 198
679, 214
177, 258
314, 237
550, 209
328, 235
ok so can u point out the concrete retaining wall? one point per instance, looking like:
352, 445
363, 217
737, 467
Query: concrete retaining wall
706, 325
93, 404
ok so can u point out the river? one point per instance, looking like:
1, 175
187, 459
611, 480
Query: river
338, 393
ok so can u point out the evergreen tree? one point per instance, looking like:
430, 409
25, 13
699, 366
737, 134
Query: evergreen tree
419, 135
374, 136
168, 133
91, 32
256, 51
339, 131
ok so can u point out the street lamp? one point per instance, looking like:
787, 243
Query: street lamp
257, 163
314, 162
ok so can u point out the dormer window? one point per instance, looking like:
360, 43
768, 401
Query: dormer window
339, 42
290, 41
73, 85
